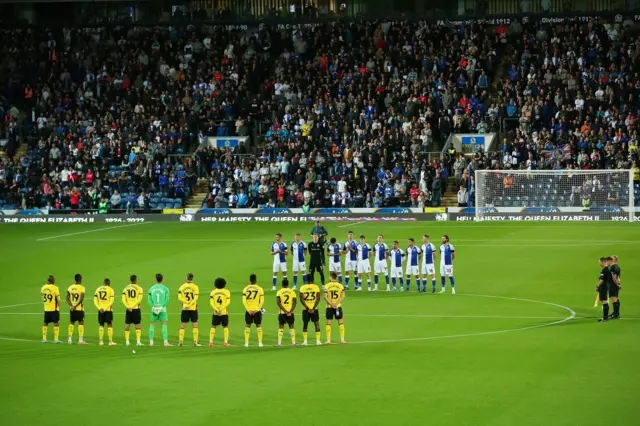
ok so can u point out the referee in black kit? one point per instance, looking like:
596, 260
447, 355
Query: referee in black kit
316, 254
615, 286
604, 284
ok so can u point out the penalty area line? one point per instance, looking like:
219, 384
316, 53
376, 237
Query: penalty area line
91, 231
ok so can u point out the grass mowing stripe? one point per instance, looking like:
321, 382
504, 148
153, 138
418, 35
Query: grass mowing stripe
90, 231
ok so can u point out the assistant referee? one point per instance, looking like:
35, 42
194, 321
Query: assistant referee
614, 290
316, 254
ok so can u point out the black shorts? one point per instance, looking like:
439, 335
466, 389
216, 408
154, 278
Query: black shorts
133, 317
255, 319
189, 316
105, 317
308, 317
220, 320
51, 317
76, 316
614, 290
286, 319
334, 313
603, 293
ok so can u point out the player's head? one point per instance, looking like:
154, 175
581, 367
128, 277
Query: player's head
253, 279
614, 259
609, 260
318, 223
278, 237
133, 279
411, 241
51, 279
380, 238
316, 237
445, 239
395, 245
285, 283
333, 240
350, 235
333, 276
603, 261
362, 238
159, 278
77, 278
107, 282
220, 283
425, 238
189, 276
297, 237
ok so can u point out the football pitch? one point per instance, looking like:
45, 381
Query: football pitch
518, 345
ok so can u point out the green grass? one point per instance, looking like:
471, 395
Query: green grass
514, 360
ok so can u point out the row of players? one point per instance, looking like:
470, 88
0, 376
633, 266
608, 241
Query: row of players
420, 261
158, 298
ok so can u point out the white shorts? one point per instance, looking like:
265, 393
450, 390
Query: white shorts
350, 265
334, 266
429, 269
412, 270
446, 270
396, 272
279, 267
364, 267
380, 267
299, 266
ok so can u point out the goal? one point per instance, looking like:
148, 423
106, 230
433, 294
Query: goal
554, 195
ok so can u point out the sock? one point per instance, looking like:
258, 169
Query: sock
386, 278
165, 333
212, 334
101, 333
355, 281
393, 281
342, 332
304, 336
605, 311
274, 281
295, 280
340, 279
56, 332
375, 279
280, 334
259, 334
152, 329
328, 333
138, 334
433, 284
424, 284
110, 333
71, 327
369, 282
181, 334
401, 281
226, 334
81, 331
304, 279
442, 282
409, 282
346, 281
453, 283
44, 332
247, 331
616, 308
195, 335
292, 332
126, 335
317, 336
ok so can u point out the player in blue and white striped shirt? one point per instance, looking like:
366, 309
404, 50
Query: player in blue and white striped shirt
413, 262
299, 254
380, 265
279, 252
350, 248
447, 254
364, 262
334, 251
396, 254
428, 267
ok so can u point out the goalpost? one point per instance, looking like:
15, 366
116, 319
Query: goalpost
554, 195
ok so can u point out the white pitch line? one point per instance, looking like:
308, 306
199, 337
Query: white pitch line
90, 231
353, 223
20, 304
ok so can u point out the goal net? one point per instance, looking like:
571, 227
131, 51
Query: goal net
554, 195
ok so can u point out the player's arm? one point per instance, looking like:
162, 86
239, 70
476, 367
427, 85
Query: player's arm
294, 304
326, 299
150, 299
196, 296
69, 300
167, 298
139, 297
453, 254
125, 300
80, 300
111, 299
181, 297
614, 278
244, 301
341, 298
58, 298
96, 301
260, 300
315, 305
212, 302
279, 302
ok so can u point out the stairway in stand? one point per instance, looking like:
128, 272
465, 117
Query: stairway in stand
199, 195
450, 198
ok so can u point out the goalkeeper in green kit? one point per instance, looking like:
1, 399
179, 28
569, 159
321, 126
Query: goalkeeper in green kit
159, 299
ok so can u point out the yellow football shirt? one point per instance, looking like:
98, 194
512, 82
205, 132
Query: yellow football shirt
309, 294
51, 297
103, 298
253, 297
75, 291
220, 299
188, 294
287, 296
333, 291
132, 296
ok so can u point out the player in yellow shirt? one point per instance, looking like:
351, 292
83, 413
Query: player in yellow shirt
131, 298
103, 299
253, 301
188, 294
334, 295
286, 299
51, 298
220, 298
75, 300
310, 298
